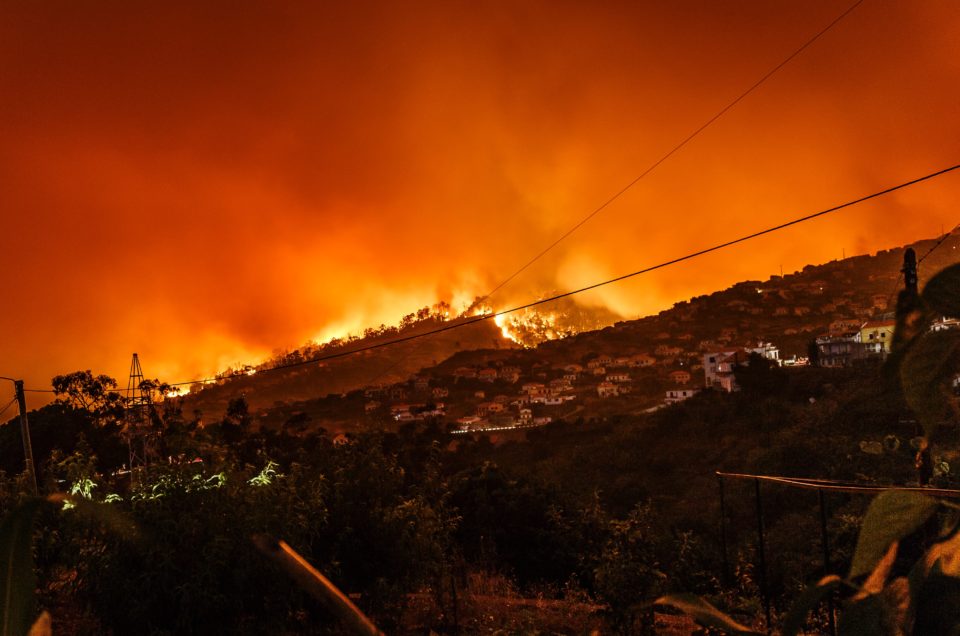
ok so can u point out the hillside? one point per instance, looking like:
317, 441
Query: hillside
788, 311
347, 373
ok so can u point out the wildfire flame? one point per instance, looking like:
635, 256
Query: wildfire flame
504, 323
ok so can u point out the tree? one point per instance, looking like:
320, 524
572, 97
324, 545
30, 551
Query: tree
238, 412
760, 376
93, 393
813, 353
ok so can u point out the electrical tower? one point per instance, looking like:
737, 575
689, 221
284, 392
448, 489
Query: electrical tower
139, 429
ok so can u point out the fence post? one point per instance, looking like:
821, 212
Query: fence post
765, 593
725, 573
824, 541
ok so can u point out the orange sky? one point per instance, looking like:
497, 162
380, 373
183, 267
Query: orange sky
204, 182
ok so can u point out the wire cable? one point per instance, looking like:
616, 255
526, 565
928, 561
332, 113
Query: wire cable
676, 148
656, 163
480, 318
4, 409
596, 211
838, 486
896, 285
938, 244
488, 316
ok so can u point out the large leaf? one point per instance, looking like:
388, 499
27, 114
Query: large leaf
925, 374
942, 292
16, 569
808, 600
703, 612
891, 516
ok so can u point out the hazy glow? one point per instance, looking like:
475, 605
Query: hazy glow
205, 183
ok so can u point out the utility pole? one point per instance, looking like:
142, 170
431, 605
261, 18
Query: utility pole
908, 301
25, 434
910, 271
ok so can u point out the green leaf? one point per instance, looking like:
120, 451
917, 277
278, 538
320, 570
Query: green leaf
925, 374
703, 612
942, 292
16, 568
891, 516
809, 599
109, 516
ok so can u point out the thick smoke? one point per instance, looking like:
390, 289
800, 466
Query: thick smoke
206, 182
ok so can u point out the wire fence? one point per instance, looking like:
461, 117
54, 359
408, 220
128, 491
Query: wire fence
762, 491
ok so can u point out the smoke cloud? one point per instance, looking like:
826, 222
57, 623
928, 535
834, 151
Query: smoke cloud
206, 182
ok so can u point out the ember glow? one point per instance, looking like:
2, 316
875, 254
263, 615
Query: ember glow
206, 182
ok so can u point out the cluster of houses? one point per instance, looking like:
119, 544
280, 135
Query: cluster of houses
609, 376
719, 366
850, 341
546, 388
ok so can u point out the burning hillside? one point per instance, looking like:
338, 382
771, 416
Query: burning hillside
551, 321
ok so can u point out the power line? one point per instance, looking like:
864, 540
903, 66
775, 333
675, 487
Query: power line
676, 148
938, 243
896, 285
654, 165
3, 377
599, 209
4, 409
686, 257
930, 251
480, 318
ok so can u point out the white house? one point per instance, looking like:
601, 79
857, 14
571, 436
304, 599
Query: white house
679, 394
607, 389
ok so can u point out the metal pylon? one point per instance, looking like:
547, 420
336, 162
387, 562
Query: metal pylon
139, 431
